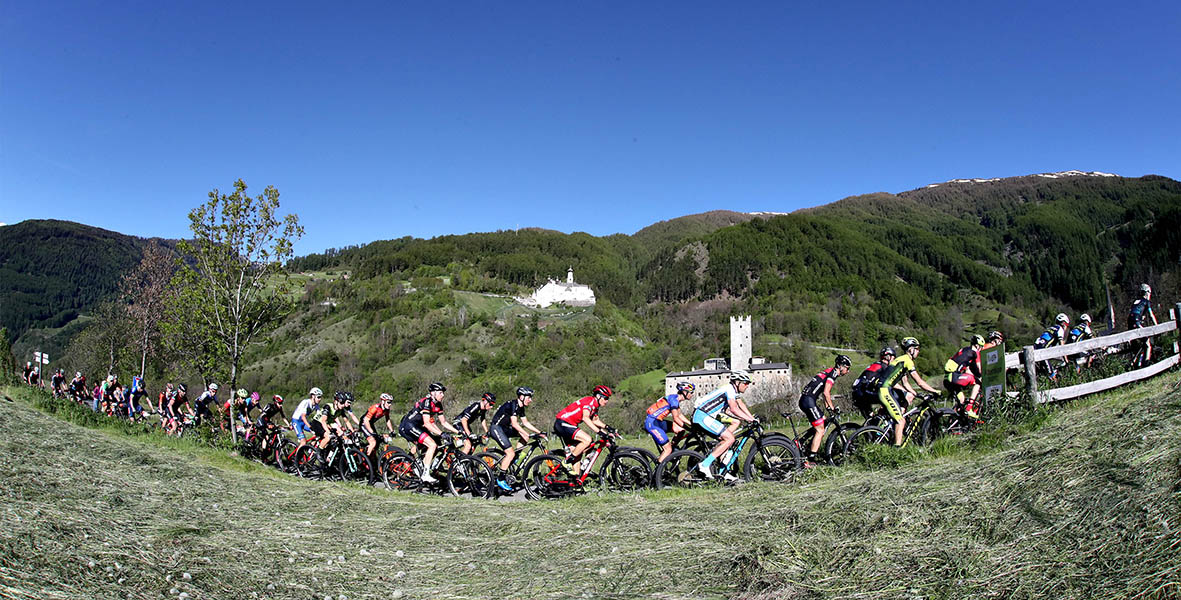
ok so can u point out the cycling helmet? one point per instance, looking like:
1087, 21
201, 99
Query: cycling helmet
387, 398
843, 361
740, 376
338, 396
242, 393
182, 387
602, 390
887, 351
1084, 318
996, 336
1145, 289
212, 386
436, 387
255, 396
78, 374
909, 342
525, 391
348, 397
109, 377
977, 340
277, 398
489, 397
1062, 318
685, 386
315, 392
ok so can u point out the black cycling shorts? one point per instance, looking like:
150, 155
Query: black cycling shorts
412, 433
317, 428
811, 411
502, 436
370, 434
565, 431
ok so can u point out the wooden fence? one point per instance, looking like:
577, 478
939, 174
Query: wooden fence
1029, 357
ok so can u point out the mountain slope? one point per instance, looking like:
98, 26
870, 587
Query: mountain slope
1034, 511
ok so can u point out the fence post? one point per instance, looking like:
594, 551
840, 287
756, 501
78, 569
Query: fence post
1030, 372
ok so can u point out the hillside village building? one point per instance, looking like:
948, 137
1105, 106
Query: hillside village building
770, 381
557, 292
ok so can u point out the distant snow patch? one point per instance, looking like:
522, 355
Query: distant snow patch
764, 213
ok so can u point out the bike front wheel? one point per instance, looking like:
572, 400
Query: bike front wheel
470, 476
626, 472
680, 470
772, 459
548, 477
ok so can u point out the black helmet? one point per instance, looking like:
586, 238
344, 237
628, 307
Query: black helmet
489, 397
436, 387
338, 396
182, 387
887, 350
843, 361
525, 391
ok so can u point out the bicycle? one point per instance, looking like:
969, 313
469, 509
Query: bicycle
515, 475
548, 476
836, 437
462, 474
915, 416
772, 457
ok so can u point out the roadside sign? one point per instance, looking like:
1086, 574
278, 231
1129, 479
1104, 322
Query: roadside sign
993, 360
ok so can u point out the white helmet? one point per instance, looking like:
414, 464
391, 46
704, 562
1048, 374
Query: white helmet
1084, 318
740, 376
1062, 318
315, 392
1145, 289
213, 387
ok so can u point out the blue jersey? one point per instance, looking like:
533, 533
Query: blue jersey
661, 408
716, 401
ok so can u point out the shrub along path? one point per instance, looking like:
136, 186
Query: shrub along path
1086, 505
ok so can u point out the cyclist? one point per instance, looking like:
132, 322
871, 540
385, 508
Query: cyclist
424, 423
1081, 332
1139, 315
58, 383
895, 392
668, 406
585, 409
378, 411
28, 372
326, 421
510, 422
164, 401
476, 410
265, 416
235, 407
963, 371
995, 338
865, 387
301, 419
821, 384
179, 407
78, 387
134, 408
1054, 335
201, 405
722, 403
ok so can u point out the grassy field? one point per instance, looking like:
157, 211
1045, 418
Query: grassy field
1083, 502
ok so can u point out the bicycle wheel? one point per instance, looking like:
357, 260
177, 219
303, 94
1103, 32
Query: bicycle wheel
772, 459
307, 462
864, 437
680, 470
547, 477
492, 459
470, 476
284, 453
834, 446
646, 454
400, 473
626, 472
353, 465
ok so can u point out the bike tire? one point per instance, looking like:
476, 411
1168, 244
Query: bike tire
470, 476
678, 471
547, 477
644, 453
834, 446
626, 472
772, 459
401, 473
308, 463
866, 436
353, 465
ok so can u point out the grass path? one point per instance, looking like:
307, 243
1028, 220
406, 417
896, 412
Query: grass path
1088, 506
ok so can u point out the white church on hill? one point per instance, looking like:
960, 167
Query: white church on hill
556, 292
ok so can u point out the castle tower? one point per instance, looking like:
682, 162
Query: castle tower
570, 275
740, 342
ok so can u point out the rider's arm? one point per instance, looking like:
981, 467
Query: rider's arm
428, 422
484, 424
464, 427
828, 394
923, 384
518, 423
592, 422
738, 408
679, 420
447, 425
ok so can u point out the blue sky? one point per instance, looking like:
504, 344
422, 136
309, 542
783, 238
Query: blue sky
379, 120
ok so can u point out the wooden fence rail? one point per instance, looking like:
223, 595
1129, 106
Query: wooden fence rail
1029, 357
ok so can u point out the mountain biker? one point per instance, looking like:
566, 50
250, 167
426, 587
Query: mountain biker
201, 404
302, 417
865, 387
27, 372
821, 384
179, 407
419, 427
509, 422
995, 338
476, 410
670, 405
585, 409
1054, 335
78, 386
722, 403
895, 391
963, 371
137, 391
266, 414
235, 407
1139, 315
326, 421
58, 382
378, 411
1079, 333
164, 401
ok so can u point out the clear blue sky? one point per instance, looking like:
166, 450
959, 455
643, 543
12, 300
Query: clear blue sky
378, 120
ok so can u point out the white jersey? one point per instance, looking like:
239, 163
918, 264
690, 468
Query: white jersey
301, 411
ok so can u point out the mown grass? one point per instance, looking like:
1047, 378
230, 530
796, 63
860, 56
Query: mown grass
1085, 504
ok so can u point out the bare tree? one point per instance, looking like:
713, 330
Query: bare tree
144, 289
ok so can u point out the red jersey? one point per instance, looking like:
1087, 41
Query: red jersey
376, 412
572, 414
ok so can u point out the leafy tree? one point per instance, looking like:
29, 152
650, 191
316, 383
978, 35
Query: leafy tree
236, 257
7, 362
101, 346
